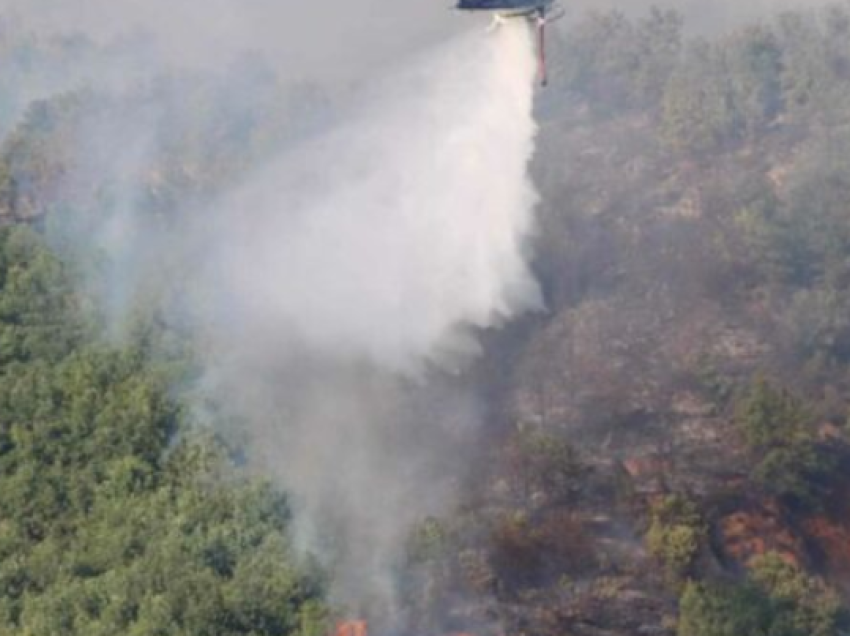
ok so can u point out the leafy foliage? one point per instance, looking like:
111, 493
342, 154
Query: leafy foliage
768, 416
676, 534
711, 171
107, 524
778, 600
812, 607
723, 610
545, 464
790, 464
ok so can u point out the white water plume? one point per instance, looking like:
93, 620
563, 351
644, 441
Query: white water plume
365, 255
338, 288
385, 236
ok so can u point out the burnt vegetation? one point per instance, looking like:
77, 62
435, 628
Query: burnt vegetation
670, 438
693, 356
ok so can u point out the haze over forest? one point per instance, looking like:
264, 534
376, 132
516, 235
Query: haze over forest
315, 313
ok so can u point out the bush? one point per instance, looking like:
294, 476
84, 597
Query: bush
723, 610
698, 114
768, 415
798, 473
789, 464
542, 463
516, 554
805, 605
777, 600
526, 552
676, 533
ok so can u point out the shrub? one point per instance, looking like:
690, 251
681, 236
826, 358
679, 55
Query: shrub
543, 463
722, 610
676, 533
809, 607
767, 415
789, 464
776, 600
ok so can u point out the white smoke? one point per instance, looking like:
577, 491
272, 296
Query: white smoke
384, 237
338, 289
363, 256
344, 282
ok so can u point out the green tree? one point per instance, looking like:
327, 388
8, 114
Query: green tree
676, 534
115, 517
776, 600
807, 80
789, 465
707, 609
699, 114
805, 605
754, 65
659, 42
768, 415
545, 464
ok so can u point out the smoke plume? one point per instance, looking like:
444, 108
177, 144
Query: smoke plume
383, 237
337, 286
349, 274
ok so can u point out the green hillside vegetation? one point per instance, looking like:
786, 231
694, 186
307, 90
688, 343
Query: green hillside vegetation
776, 599
116, 518
669, 443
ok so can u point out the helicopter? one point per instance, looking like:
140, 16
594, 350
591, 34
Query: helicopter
538, 12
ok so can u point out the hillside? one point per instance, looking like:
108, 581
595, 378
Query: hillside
674, 427
667, 442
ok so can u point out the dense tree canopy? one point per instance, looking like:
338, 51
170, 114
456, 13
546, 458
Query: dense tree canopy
114, 517
689, 381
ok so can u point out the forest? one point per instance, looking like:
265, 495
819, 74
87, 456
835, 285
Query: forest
670, 446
